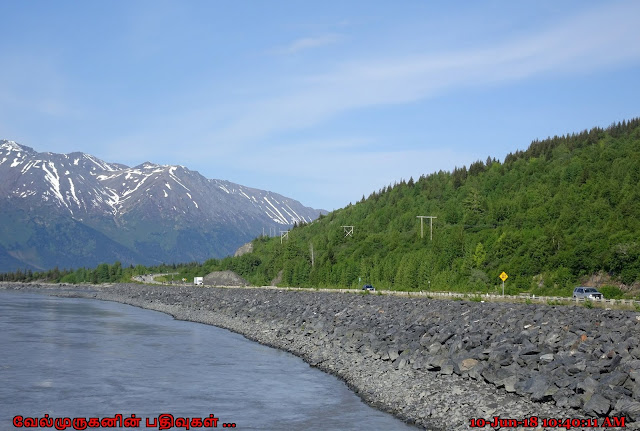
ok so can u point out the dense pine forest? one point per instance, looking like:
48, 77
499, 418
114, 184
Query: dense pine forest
103, 273
551, 217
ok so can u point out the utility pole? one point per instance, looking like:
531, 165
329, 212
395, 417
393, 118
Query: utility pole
311, 249
348, 231
284, 234
430, 226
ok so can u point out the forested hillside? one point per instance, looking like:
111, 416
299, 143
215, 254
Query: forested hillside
550, 217
564, 209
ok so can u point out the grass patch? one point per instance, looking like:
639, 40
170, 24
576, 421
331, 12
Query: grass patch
555, 302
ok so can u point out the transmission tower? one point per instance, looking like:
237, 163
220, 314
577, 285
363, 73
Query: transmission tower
348, 231
284, 234
430, 226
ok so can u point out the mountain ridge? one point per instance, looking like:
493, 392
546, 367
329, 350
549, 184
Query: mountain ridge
146, 209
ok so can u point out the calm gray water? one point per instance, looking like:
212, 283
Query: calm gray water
85, 358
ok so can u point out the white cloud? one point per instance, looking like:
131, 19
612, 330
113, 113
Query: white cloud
227, 123
308, 43
581, 44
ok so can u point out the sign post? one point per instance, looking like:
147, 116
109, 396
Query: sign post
503, 277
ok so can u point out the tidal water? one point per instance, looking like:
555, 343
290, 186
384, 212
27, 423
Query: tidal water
70, 357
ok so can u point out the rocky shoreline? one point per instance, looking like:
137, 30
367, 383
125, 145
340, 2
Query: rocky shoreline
434, 363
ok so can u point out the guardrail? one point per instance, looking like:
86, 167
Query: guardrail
488, 296
532, 298
445, 295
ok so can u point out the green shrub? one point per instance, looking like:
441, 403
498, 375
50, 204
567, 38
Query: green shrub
611, 292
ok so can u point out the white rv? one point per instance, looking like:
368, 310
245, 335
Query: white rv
198, 281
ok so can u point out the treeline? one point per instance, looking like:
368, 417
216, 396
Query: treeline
103, 273
551, 216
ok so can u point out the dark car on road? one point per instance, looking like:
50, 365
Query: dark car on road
368, 287
587, 292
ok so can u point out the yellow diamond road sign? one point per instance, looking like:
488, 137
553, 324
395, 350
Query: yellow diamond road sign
503, 276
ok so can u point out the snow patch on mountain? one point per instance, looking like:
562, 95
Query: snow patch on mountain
73, 192
11, 146
54, 179
115, 190
279, 218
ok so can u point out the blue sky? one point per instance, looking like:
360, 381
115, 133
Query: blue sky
320, 101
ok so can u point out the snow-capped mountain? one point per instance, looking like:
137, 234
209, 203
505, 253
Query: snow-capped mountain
74, 210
